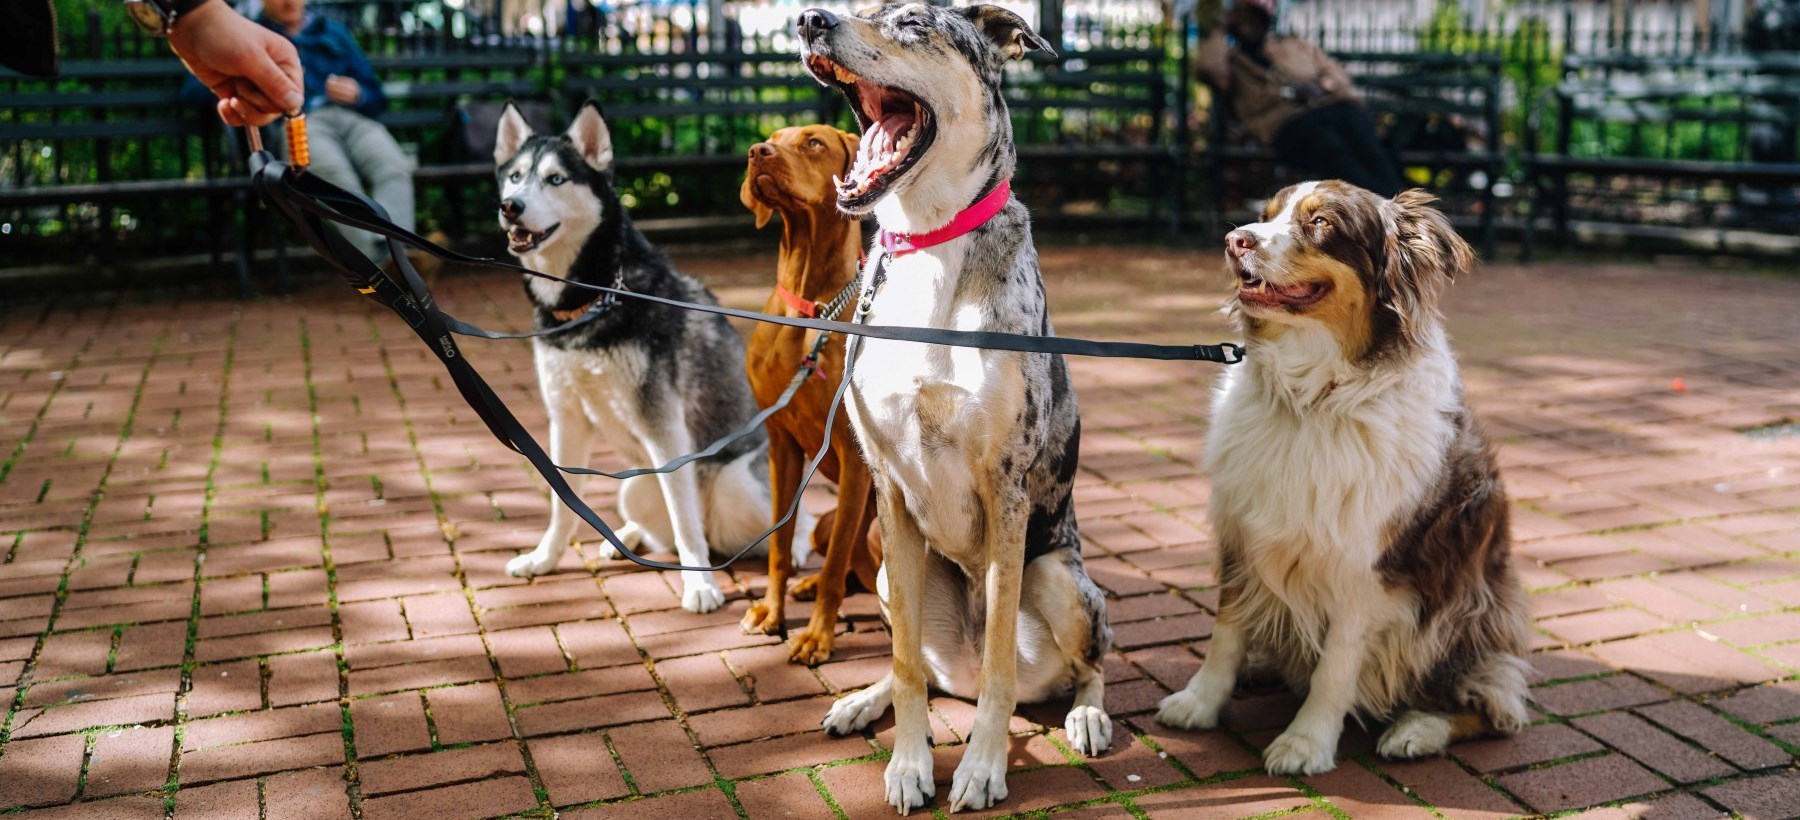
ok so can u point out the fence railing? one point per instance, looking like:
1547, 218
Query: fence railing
691, 83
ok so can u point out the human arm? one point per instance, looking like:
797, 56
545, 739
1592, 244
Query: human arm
1332, 76
254, 72
1213, 60
370, 100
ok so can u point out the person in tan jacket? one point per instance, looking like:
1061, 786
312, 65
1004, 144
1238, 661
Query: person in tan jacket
1293, 97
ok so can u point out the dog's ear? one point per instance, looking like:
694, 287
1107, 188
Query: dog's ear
592, 138
748, 196
1010, 33
852, 144
1424, 254
514, 131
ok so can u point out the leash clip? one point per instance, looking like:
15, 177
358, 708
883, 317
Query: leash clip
1234, 353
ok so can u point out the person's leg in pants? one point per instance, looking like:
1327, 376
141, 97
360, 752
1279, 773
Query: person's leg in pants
381, 163
1357, 131
1338, 142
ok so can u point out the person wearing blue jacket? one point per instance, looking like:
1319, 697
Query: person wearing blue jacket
350, 149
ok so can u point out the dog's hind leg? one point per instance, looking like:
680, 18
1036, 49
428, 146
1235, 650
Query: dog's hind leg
766, 616
1419, 733
571, 445
908, 777
1059, 593
644, 521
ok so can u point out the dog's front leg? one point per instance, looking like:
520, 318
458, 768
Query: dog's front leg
980, 779
785, 463
571, 445
681, 495
1309, 746
908, 777
1197, 705
812, 645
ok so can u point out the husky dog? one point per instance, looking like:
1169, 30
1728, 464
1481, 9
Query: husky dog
660, 381
973, 451
1361, 520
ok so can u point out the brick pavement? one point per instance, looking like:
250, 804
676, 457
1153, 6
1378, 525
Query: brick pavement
252, 562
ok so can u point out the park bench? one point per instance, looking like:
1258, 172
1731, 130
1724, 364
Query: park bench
1444, 97
123, 121
426, 94
1656, 147
693, 115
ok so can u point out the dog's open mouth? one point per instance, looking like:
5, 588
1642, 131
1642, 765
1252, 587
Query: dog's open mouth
897, 129
1255, 290
521, 240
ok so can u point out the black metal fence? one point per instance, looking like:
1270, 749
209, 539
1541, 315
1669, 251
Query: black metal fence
1112, 129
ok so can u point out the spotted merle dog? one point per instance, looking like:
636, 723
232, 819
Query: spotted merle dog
659, 381
973, 451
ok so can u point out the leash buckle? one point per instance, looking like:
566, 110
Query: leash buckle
1234, 353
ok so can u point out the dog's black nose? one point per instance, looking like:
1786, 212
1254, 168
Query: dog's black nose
1240, 242
762, 149
817, 20
511, 208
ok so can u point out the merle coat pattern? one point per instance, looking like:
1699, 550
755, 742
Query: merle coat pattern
974, 452
658, 380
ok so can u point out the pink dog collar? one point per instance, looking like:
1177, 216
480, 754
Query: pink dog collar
972, 217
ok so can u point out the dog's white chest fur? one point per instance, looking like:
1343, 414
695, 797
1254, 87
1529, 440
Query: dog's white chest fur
601, 386
921, 409
1314, 469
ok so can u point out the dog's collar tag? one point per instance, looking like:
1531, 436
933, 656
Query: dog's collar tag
972, 217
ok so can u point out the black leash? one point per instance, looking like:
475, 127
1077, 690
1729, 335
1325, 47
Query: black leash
371, 220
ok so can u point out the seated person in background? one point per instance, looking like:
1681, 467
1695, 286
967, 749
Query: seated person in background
1293, 97
349, 148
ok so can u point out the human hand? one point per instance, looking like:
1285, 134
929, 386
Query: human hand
343, 90
254, 71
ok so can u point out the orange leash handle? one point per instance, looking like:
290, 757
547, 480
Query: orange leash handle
299, 155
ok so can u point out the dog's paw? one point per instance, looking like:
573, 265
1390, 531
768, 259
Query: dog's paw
1415, 734
1299, 753
979, 782
806, 588
1089, 729
700, 595
629, 534
531, 564
908, 779
854, 711
1188, 709
762, 619
811, 647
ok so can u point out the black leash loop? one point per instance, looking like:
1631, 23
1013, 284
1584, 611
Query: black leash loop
288, 192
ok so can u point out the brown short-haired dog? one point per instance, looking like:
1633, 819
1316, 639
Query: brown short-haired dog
792, 173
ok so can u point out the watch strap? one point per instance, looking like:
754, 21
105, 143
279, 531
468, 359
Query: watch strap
180, 7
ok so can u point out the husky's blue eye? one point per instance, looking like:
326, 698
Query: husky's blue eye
516, 176
557, 179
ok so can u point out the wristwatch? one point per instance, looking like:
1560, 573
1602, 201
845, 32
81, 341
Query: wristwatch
157, 17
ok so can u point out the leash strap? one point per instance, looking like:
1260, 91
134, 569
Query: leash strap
302, 199
350, 210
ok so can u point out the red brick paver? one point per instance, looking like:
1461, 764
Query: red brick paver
252, 564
